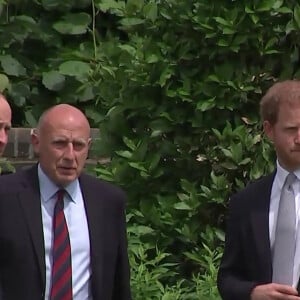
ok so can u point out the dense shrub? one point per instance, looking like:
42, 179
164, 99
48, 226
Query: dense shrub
174, 87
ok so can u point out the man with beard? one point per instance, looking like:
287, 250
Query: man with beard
261, 258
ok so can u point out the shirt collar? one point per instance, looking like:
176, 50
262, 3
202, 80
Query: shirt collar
48, 188
282, 173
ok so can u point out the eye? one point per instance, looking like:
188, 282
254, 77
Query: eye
77, 145
60, 144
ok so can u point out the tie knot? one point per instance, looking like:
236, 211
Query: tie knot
290, 179
60, 195
59, 205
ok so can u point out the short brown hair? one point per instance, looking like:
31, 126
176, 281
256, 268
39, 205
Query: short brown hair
287, 91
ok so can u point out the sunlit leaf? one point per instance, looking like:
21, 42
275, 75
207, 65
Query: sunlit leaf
73, 24
53, 80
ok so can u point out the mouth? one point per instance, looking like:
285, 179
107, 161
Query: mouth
67, 169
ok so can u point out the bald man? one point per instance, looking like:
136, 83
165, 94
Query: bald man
62, 232
5, 122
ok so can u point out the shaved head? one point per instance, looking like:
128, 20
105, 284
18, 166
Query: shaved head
62, 114
62, 141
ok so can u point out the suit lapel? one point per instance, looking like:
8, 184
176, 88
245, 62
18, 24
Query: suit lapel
260, 225
30, 202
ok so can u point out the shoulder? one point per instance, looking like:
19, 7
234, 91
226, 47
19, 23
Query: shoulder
101, 187
257, 185
20, 179
18, 175
257, 192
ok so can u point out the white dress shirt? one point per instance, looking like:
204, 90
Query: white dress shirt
78, 231
273, 213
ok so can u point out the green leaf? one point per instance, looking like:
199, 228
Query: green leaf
129, 143
75, 68
53, 80
165, 75
111, 5
4, 82
285, 10
183, 197
245, 161
103, 171
138, 165
134, 6
266, 5
141, 230
73, 24
150, 11
297, 15
229, 165
152, 58
228, 31
254, 18
125, 154
52, 4
249, 10
182, 206
154, 161
227, 153
222, 21
128, 48
25, 19
19, 92
205, 105
129, 22
11, 66
30, 119
278, 4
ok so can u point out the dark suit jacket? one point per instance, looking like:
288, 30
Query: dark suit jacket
22, 253
247, 259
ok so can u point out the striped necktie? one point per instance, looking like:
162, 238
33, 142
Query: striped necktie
61, 277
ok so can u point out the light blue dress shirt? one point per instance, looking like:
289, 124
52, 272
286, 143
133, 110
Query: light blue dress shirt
78, 231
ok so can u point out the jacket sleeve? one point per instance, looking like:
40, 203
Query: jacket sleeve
232, 278
121, 290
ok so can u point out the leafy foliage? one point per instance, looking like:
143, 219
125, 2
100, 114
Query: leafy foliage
174, 87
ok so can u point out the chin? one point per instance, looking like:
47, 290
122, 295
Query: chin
64, 180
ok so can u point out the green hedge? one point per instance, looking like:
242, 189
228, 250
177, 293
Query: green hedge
174, 87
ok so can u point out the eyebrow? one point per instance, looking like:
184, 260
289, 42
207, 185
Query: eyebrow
8, 124
79, 139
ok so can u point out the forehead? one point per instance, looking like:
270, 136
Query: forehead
289, 112
64, 125
61, 133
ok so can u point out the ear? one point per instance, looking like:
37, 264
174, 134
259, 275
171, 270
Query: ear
89, 145
268, 130
35, 141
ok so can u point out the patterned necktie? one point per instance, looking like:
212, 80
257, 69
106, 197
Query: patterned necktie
61, 286
285, 235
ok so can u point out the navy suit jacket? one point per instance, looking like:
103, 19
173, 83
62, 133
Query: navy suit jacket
22, 252
247, 259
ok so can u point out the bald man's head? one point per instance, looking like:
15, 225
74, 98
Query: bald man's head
62, 141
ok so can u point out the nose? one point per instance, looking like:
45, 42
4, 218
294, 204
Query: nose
69, 152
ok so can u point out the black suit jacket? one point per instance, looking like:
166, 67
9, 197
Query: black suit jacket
247, 259
22, 253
